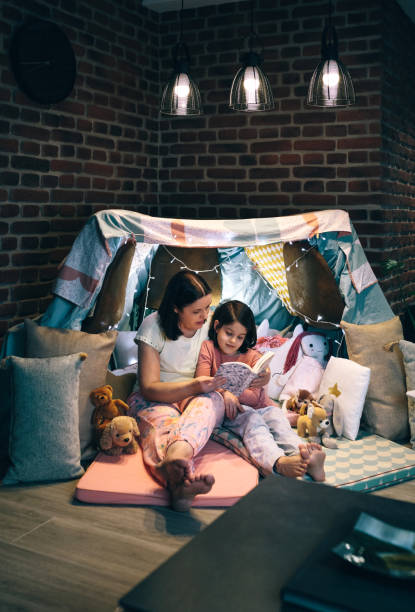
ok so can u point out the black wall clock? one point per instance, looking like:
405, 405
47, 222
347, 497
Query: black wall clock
43, 61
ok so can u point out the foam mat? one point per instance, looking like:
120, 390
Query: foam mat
369, 463
125, 480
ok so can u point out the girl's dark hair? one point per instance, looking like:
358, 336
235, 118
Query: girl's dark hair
231, 312
183, 289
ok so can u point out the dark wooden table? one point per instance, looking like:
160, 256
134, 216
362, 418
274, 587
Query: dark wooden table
243, 559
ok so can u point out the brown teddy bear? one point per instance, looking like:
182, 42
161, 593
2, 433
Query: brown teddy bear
119, 436
313, 423
105, 409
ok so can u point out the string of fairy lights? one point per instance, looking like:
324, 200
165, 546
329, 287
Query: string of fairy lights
272, 290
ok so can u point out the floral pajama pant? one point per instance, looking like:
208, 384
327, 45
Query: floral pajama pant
162, 424
266, 433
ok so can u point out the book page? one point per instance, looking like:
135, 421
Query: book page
262, 363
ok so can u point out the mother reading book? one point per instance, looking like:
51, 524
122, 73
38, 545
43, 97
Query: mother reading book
176, 412
249, 412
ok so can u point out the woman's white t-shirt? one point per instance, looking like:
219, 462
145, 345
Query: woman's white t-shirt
178, 358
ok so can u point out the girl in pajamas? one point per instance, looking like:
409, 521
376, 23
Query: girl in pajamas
262, 425
176, 412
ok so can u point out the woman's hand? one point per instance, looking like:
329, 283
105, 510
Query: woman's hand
262, 379
207, 384
232, 405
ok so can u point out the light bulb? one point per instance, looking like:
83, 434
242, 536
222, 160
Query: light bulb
331, 79
251, 84
182, 91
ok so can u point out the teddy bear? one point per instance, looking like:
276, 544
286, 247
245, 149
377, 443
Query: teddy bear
313, 422
119, 436
106, 408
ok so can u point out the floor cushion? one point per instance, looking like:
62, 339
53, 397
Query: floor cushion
125, 480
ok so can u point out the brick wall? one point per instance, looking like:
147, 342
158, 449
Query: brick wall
105, 147
398, 152
96, 149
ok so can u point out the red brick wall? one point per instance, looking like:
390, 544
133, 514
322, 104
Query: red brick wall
104, 146
294, 158
398, 152
61, 163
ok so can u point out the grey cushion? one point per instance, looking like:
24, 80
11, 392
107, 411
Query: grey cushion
44, 440
50, 342
408, 352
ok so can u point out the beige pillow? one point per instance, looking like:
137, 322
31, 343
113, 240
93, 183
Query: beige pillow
408, 352
375, 346
51, 342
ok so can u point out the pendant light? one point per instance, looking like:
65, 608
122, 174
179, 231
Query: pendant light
331, 84
181, 95
250, 89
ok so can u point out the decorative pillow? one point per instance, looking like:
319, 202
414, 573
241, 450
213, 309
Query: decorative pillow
349, 382
375, 346
50, 342
44, 440
408, 352
5, 412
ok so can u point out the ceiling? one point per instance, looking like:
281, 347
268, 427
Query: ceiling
161, 6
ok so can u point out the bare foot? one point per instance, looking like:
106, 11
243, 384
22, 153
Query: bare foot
293, 466
305, 451
316, 465
182, 484
175, 470
183, 494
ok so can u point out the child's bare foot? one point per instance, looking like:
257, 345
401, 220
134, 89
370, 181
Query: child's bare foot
183, 494
316, 465
293, 466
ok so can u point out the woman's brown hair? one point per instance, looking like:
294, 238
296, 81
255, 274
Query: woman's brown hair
183, 289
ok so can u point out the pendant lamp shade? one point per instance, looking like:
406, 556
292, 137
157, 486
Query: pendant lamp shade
250, 89
331, 84
181, 95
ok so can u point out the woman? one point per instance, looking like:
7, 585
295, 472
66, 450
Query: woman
175, 425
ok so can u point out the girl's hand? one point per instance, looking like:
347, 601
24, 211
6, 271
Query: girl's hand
232, 405
207, 384
262, 379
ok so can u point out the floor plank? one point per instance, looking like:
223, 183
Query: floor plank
61, 554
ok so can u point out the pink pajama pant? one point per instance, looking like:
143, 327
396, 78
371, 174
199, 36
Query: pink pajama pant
162, 424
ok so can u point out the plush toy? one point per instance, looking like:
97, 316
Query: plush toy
105, 409
334, 412
313, 423
296, 404
304, 364
119, 436
280, 346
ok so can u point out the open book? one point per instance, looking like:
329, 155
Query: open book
240, 375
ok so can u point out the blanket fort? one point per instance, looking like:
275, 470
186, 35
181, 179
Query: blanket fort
238, 241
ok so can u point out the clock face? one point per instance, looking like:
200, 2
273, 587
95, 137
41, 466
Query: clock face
43, 61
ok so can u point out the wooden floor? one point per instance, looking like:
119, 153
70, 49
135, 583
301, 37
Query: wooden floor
58, 554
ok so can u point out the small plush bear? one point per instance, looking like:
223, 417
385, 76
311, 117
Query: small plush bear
105, 409
119, 436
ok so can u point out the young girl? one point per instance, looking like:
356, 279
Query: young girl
262, 425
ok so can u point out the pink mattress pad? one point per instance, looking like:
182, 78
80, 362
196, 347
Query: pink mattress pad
125, 480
